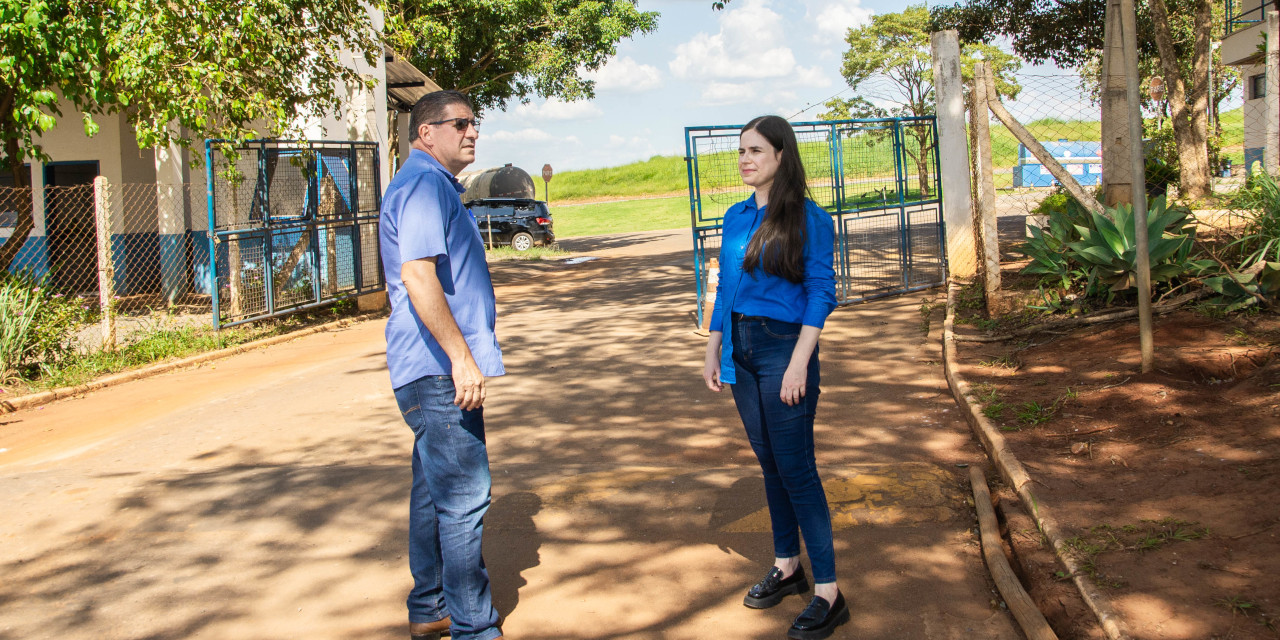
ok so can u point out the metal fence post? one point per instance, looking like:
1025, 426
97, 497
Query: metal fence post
106, 269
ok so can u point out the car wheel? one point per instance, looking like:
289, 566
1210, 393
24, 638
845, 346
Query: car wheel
522, 241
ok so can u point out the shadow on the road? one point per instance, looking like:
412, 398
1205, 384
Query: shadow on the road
603, 441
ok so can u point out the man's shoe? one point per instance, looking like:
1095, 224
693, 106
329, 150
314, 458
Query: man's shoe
773, 588
820, 619
430, 630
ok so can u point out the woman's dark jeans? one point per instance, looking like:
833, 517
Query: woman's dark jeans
782, 438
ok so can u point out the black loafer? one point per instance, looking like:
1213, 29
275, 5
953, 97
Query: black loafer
820, 619
773, 588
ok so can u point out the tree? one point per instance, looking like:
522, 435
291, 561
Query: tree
500, 50
180, 72
1070, 33
896, 48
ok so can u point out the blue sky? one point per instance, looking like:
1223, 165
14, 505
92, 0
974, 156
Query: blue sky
699, 67
704, 67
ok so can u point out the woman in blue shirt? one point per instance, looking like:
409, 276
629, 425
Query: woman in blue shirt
775, 290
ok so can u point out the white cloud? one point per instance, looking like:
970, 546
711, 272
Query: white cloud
523, 135
718, 94
831, 20
751, 44
625, 74
811, 77
557, 109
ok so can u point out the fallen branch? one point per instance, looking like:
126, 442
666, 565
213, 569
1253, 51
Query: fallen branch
1254, 533
1080, 433
1112, 386
1084, 321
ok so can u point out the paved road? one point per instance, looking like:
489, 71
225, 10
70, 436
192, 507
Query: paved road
264, 496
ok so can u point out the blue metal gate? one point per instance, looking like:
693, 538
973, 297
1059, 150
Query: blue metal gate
878, 179
292, 225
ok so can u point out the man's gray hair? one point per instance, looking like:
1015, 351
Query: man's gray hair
431, 108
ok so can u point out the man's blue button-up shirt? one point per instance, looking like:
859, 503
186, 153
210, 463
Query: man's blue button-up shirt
423, 217
808, 302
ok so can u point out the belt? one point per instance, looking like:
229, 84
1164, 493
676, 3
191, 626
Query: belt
738, 316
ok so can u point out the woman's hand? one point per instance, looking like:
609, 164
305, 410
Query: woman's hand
711, 375
793, 384
795, 378
711, 367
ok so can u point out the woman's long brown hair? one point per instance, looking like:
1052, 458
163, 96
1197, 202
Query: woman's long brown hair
778, 245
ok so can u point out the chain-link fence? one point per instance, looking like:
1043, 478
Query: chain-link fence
130, 250
1065, 113
155, 255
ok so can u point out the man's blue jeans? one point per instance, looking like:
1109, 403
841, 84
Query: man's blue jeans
782, 438
446, 510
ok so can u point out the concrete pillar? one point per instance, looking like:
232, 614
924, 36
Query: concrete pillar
171, 220
953, 155
1271, 151
1117, 172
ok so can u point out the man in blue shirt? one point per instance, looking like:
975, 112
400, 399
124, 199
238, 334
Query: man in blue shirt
440, 347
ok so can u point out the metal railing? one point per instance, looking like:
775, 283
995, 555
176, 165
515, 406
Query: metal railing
294, 224
878, 178
1238, 18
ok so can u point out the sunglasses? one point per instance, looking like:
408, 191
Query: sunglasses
460, 124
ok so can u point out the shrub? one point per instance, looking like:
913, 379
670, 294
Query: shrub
36, 324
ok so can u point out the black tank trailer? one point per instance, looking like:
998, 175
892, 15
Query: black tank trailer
506, 181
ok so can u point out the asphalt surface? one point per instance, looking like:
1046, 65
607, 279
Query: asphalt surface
265, 495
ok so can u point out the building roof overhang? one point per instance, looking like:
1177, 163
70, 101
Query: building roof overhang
405, 83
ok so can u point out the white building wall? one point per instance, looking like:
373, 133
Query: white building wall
363, 114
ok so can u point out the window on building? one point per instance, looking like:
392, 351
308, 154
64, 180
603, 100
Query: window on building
10, 199
1258, 86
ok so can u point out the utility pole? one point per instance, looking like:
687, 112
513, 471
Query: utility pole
1129, 22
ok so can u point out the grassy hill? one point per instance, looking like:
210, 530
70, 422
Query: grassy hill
659, 174
866, 158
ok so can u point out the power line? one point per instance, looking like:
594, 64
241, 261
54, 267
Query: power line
833, 97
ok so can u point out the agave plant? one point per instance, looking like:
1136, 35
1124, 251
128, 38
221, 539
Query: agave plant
1047, 247
1108, 246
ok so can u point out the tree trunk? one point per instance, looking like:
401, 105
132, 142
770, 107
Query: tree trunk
1188, 117
26, 220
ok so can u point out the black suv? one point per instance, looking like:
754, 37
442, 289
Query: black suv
519, 222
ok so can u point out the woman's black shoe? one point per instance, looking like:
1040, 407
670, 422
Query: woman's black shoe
820, 619
774, 588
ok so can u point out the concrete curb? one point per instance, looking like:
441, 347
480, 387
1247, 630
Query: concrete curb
45, 397
1016, 476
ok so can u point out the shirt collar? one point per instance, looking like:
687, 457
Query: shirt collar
431, 162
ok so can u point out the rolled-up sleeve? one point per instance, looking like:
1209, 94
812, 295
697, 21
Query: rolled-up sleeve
819, 269
423, 219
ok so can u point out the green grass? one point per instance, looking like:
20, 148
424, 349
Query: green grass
620, 217
659, 174
507, 254
163, 343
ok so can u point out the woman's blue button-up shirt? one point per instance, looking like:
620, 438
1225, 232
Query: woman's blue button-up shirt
764, 294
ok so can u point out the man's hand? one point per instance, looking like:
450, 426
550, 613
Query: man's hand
468, 384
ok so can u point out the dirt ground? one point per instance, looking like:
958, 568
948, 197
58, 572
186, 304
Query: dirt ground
264, 496
1165, 481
